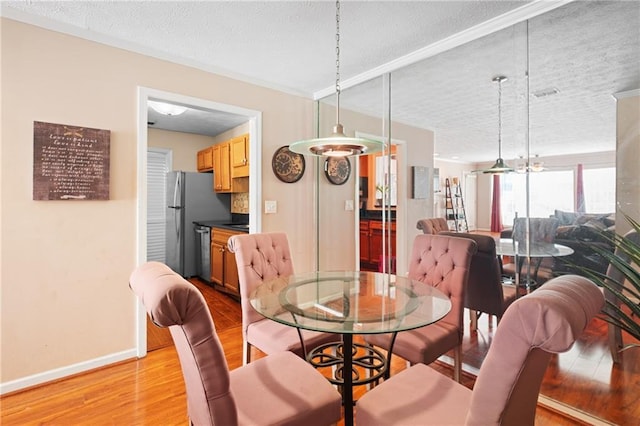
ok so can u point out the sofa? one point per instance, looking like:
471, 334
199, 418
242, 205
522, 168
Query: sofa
583, 232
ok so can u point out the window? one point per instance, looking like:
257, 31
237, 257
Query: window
599, 190
555, 190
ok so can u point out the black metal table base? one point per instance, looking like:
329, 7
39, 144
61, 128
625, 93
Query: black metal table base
373, 361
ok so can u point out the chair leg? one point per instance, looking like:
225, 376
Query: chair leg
457, 363
473, 315
246, 353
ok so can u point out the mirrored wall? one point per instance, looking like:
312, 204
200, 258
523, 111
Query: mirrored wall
552, 119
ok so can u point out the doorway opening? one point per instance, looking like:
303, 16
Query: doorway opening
254, 120
380, 233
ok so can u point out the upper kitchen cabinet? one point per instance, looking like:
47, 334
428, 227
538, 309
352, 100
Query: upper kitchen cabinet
222, 176
221, 171
205, 159
240, 156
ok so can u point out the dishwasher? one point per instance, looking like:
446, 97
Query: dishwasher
203, 252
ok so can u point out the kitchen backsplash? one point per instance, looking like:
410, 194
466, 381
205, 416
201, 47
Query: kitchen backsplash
240, 202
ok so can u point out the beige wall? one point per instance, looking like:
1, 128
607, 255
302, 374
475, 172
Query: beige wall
184, 146
628, 159
65, 265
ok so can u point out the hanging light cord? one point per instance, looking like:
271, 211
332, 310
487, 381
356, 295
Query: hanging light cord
337, 61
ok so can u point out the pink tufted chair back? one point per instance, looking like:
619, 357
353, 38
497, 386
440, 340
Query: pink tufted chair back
535, 326
444, 262
485, 292
259, 257
432, 225
173, 302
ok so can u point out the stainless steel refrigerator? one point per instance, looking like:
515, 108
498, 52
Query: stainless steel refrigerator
190, 198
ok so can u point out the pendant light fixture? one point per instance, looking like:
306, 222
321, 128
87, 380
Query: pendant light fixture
337, 144
500, 166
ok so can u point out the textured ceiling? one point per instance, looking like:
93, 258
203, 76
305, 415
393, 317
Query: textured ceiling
587, 50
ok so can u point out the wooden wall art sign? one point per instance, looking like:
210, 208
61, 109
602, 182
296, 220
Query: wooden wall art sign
70, 162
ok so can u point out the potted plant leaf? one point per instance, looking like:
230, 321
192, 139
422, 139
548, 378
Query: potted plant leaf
383, 190
621, 282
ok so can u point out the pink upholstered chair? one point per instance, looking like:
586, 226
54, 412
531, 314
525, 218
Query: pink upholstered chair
616, 280
534, 327
485, 291
432, 225
279, 389
261, 257
442, 262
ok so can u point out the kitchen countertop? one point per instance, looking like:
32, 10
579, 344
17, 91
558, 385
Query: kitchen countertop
224, 224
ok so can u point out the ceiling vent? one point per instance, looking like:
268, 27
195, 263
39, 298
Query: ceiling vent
546, 92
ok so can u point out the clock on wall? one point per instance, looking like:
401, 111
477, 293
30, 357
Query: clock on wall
287, 166
337, 169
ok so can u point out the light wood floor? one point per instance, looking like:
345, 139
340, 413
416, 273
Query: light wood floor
151, 390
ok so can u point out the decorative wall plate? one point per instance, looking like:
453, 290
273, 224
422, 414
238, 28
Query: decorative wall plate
287, 166
337, 169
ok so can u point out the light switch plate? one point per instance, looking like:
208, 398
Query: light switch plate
348, 205
270, 206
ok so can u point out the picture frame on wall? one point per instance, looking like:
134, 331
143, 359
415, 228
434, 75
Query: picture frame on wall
420, 182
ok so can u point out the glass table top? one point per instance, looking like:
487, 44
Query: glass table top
509, 247
351, 302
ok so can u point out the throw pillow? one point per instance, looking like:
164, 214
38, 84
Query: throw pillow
565, 218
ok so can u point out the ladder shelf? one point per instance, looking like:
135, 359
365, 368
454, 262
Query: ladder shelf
454, 206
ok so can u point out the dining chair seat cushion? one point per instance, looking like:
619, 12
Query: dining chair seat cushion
422, 345
271, 336
275, 390
415, 391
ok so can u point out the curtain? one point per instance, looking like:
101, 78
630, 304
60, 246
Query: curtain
579, 191
496, 219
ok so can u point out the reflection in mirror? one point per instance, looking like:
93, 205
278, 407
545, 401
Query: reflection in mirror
339, 205
581, 56
386, 171
573, 84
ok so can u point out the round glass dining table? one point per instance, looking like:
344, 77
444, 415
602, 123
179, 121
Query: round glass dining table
510, 247
348, 303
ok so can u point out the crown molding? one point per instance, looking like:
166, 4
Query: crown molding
523, 13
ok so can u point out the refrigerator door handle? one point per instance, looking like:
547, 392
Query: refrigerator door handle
176, 193
177, 196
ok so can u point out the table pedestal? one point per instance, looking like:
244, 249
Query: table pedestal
344, 357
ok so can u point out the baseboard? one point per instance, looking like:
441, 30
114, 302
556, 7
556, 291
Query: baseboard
58, 373
571, 412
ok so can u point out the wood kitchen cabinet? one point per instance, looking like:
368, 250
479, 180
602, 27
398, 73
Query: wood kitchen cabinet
205, 160
224, 272
222, 180
240, 156
221, 171
371, 243
364, 241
